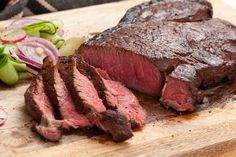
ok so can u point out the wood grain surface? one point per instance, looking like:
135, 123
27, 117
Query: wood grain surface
210, 132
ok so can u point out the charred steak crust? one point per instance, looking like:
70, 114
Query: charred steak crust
116, 124
169, 10
40, 108
159, 10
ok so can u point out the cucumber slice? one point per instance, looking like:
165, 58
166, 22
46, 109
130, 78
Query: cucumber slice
2, 47
20, 67
47, 36
13, 36
58, 41
25, 75
42, 27
58, 23
33, 33
71, 45
8, 73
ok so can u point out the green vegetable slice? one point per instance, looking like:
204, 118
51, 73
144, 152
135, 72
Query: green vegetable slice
20, 67
41, 27
8, 73
25, 75
58, 41
58, 23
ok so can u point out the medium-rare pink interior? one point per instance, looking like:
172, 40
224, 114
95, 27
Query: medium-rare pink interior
176, 94
131, 69
125, 102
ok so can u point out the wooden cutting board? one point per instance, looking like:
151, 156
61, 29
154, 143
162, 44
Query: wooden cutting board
209, 132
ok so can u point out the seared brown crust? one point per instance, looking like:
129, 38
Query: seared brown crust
204, 45
116, 124
162, 10
169, 10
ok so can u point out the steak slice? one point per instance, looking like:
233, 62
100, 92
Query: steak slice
114, 123
61, 99
170, 10
40, 108
140, 54
81, 88
114, 95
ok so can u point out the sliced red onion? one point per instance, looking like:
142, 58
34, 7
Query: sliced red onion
14, 55
60, 32
29, 62
46, 43
27, 21
32, 71
23, 22
23, 46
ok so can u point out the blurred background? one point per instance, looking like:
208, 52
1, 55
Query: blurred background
10, 9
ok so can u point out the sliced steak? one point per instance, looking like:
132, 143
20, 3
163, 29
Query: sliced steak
114, 95
81, 88
61, 99
170, 10
40, 108
85, 94
139, 54
114, 123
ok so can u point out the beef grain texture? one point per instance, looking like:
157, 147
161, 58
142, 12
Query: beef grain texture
81, 88
114, 95
193, 53
84, 93
61, 99
40, 108
170, 10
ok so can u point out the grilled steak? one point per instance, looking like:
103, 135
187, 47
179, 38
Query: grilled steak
61, 99
114, 95
84, 93
81, 88
40, 108
170, 10
138, 55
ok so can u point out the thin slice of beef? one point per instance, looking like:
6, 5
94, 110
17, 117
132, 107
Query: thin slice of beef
170, 10
81, 88
139, 54
114, 95
61, 99
114, 123
40, 108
